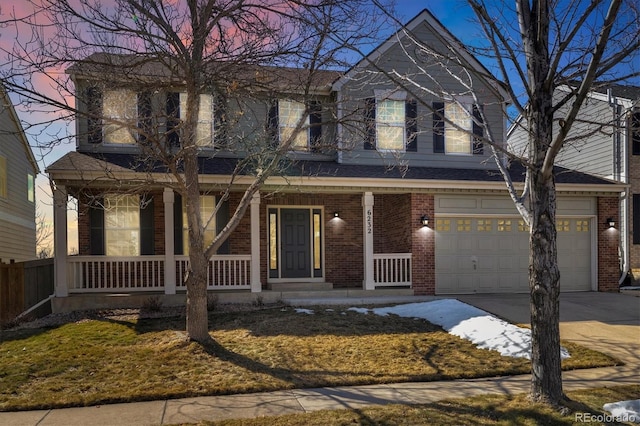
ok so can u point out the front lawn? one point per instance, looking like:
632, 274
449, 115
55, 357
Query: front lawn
122, 359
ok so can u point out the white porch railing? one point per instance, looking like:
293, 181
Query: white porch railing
109, 273
230, 271
88, 274
392, 269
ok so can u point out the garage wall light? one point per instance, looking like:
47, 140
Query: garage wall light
336, 214
424, 220
611, 222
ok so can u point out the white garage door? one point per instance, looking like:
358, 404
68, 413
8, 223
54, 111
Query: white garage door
491, 255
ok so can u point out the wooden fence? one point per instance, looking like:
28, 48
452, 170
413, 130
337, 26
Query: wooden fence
23, 285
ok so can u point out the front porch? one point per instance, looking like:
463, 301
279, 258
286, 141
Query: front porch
108, 274
254, 265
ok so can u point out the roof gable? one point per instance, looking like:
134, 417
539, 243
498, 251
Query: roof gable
424, 17
8, 106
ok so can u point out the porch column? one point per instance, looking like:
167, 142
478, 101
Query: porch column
367, 213
169, 251
60, 241
256, 285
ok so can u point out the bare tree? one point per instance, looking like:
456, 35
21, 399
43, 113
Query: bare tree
233, 49
44, 234
535, 47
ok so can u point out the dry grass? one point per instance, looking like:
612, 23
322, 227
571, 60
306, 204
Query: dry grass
481, 410
114, 360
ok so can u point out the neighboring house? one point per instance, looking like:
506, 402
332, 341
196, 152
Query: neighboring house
396, 199
605, 142
18, 171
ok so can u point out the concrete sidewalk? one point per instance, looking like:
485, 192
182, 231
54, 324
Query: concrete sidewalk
605, 322
193, 410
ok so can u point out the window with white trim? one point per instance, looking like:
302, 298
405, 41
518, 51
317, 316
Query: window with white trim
207, 207
204, 129
120, 109
122, 225
290, 113
31, 188
457, 141
457, 128
390, 125
391, 122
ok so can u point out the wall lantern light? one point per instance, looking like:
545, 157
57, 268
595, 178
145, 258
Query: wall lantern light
611, 222
424, 220
336, 214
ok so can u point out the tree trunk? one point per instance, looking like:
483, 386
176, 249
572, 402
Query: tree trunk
197, 318
544, 286
197, 315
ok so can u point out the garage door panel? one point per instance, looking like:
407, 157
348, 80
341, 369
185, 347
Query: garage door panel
523, 241
508, 281
501, 248
466, 244
466, 282
565, 243
487, 263
487, 242
487, 284
464, 264
446, 244
507, 243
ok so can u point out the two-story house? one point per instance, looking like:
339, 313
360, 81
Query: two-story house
18, 171
382, 191
605, 142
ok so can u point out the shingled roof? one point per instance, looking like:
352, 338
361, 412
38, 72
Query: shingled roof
137, 69
225, 166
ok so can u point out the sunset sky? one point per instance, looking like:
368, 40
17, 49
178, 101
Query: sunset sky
454, 15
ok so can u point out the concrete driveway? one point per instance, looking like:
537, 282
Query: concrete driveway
606, 322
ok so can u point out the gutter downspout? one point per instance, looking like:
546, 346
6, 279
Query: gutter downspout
620, 174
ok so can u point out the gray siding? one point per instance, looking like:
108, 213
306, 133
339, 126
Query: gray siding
589, 145
363, 85
17, 213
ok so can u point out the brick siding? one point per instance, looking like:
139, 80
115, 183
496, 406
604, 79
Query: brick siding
423, 272
391, 223
608, 242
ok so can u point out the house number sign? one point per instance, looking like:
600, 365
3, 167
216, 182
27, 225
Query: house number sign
369, 221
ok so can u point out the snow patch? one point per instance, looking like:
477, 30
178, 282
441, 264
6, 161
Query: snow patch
470, 323
304, 311
626, 411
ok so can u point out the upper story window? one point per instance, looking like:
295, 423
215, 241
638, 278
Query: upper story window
31, 188
120, 111
635, 133
391, 122
457, 128
206, 127
284, 117
3, 177
291, 114
390, 125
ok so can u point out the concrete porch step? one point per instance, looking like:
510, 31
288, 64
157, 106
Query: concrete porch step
348, 296
301, 286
